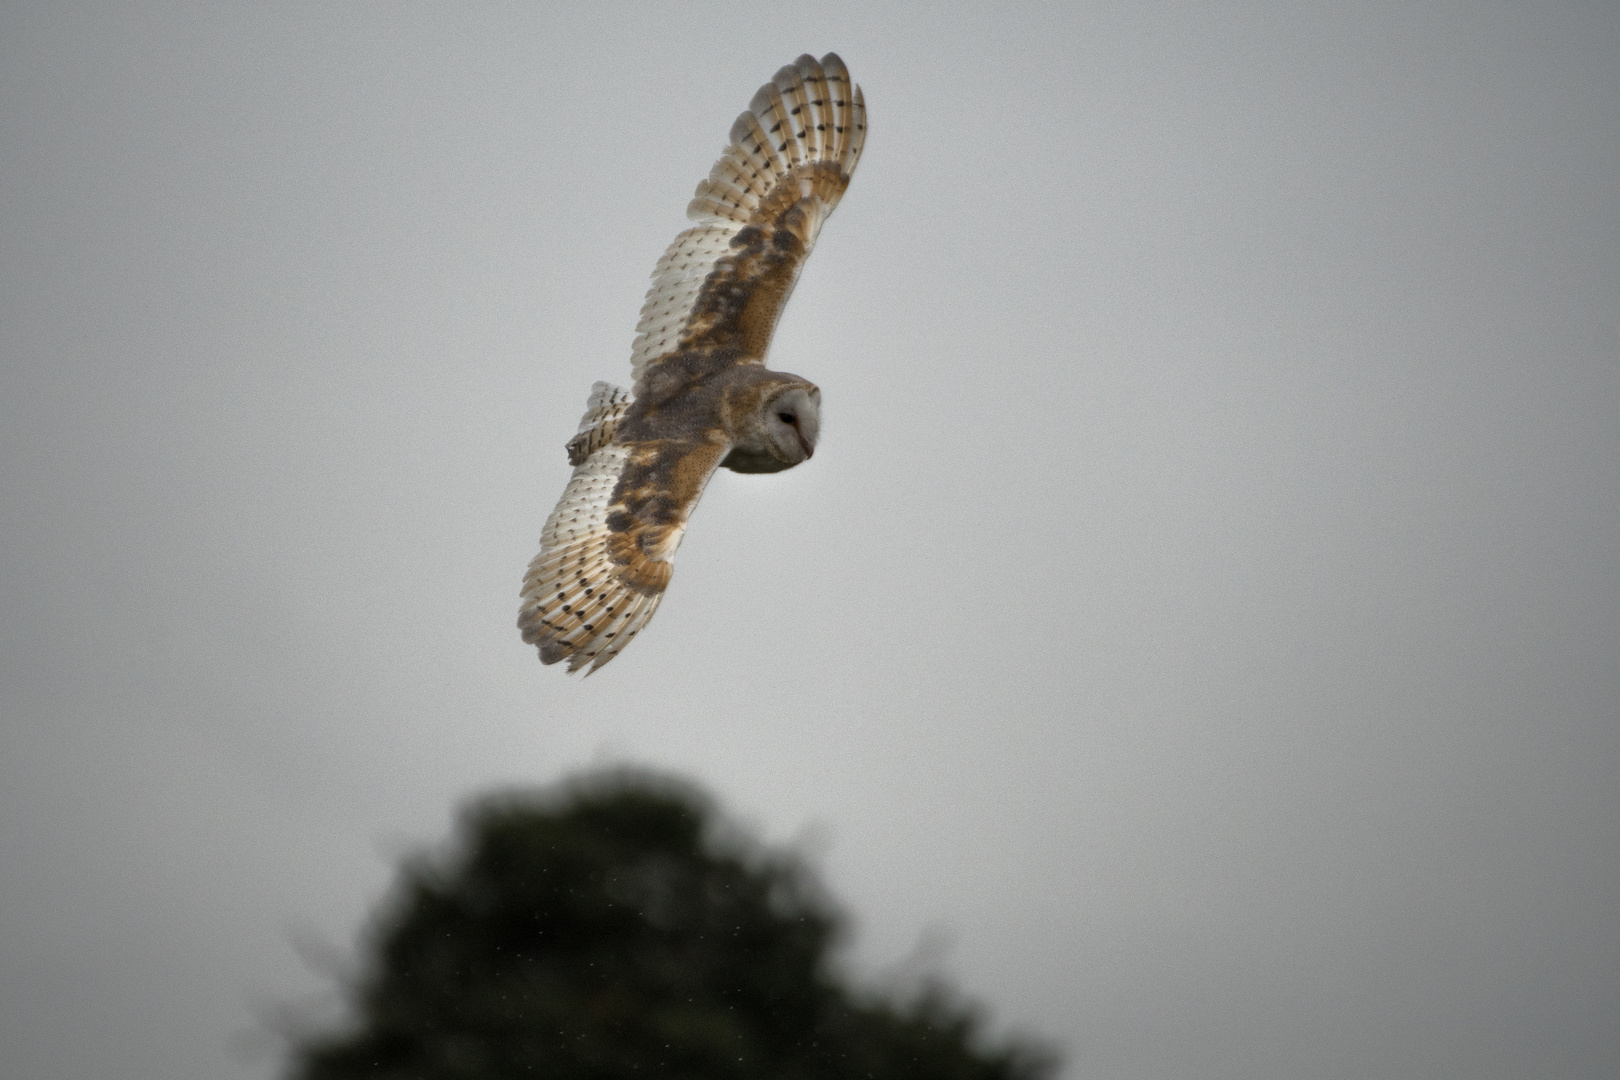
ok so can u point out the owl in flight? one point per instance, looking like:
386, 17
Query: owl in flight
701, 396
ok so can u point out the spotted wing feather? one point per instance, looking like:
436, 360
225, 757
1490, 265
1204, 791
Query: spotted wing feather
724, 282
607, 550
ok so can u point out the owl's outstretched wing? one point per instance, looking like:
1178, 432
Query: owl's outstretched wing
718, 291
607, 549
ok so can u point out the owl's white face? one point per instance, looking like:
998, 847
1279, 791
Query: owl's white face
792, 420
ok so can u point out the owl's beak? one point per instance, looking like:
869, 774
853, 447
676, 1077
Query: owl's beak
809, 447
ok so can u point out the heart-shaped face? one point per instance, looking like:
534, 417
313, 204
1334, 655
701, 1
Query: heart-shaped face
792, 420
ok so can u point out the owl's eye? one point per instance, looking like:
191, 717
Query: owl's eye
786, 417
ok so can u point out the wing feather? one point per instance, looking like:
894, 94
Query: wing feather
758, 213
677, 280
814, 79
754, 146
607, 550
839, 91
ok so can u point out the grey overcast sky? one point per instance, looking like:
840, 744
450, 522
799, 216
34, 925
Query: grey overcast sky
1198, 635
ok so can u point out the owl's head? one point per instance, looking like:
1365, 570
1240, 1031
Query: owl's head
773, 420
791, 421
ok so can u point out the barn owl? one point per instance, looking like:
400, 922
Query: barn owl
701, 396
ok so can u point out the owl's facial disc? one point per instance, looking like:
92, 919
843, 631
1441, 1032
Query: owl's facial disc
792, 422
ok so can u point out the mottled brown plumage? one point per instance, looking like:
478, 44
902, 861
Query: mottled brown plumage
702, 397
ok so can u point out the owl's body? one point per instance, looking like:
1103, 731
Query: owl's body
702, 396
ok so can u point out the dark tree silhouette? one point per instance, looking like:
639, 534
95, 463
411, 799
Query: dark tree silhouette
615, 928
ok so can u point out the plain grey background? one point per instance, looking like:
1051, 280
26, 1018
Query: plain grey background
1198, 635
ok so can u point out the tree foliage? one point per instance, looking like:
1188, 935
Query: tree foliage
616, 929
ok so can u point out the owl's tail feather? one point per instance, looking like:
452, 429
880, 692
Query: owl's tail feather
606, 405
